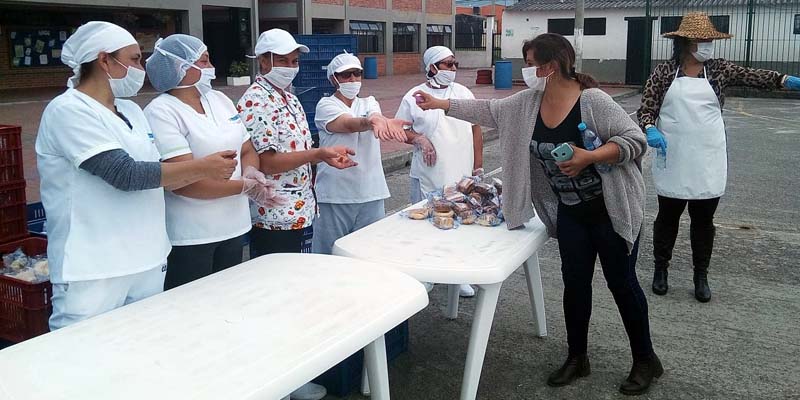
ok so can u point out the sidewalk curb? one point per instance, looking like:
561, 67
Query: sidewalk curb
400, 159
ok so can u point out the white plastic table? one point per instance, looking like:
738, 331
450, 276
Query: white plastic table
255, 331
471, 254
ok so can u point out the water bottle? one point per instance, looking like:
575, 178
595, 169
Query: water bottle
590, 142
661, 158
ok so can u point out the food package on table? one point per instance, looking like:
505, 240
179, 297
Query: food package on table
456, 197
484, 189
449, 190
461, 207
417, 213
466, 185
444, 222
441, 205
468, 217
498, 186
489, 219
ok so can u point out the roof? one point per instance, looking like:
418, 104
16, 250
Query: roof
481, 3
561, 5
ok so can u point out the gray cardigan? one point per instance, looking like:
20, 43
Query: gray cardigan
524, 180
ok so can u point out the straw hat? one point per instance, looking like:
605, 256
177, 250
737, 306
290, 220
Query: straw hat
697, 25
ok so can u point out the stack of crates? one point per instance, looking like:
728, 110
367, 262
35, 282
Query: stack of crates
311, 83
24, 306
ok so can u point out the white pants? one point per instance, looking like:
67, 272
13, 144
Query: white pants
338, 220
75, 301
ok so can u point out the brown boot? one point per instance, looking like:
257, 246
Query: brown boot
642, 374
575, 367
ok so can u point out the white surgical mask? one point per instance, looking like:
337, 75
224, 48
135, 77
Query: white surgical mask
130, 84
350, 89
534, 82
204, 83
443, 77
705, 51
281, 77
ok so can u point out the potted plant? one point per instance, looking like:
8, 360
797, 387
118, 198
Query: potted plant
238, 74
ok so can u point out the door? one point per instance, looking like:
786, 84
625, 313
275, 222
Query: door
635, 57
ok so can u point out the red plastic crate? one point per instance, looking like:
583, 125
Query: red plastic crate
24, 307
11, 167
13, 211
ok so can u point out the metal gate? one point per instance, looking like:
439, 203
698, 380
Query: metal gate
496, 47
766, 33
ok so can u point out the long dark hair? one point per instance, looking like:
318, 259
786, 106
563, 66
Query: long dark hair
549, 47
680, 45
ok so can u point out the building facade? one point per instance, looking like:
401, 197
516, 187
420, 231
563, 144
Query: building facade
32, 32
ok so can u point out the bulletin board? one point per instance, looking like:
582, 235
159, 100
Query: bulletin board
30, 47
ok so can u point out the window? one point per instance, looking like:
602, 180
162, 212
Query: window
369, 34
566, 26
406, 38
440, 35
797, 24
671, 24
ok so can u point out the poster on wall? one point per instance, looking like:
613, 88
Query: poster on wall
32, 47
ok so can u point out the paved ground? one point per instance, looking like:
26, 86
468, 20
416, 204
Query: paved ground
742, 345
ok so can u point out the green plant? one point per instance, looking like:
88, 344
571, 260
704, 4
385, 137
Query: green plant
239, 68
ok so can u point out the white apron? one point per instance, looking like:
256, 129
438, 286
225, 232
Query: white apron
697, 160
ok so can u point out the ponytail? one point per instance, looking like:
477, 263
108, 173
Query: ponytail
586, 81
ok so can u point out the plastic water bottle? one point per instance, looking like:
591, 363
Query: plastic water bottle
590, 142
661, 158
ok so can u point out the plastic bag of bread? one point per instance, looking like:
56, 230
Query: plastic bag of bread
444, 222
417, 213
484, 188
40, 267
489, 219
468, 217
461, 207
16, 261
465, 185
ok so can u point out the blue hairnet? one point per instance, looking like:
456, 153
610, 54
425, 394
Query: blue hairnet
172, 56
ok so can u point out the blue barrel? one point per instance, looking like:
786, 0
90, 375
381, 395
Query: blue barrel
502, 75
370, 68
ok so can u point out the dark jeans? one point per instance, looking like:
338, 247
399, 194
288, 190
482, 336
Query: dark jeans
579, 244
701, 230
189, 263
265, 241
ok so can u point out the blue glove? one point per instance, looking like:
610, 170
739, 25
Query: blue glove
656, 139
792, 83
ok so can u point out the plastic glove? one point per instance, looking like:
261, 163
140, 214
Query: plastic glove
262, 191
424, 145
656, 139
792, 83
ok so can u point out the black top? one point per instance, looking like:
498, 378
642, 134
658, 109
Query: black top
581, 196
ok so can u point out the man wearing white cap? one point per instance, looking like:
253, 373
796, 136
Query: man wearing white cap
353, 198
280, 134
442, 156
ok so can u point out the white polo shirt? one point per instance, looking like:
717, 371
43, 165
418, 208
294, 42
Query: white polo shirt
364, 182
180, 130
96, 231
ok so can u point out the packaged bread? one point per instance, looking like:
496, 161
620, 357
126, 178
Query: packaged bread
461, 207
488, 219
468, 217
483, 188
456, 197
447, 214
441, 205
418, 213
465, 185
498, 185
444, 222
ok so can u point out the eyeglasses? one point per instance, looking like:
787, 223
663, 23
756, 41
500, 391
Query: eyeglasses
449, 64
347, 74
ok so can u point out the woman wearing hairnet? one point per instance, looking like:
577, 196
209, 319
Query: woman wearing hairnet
101, 182
207, 220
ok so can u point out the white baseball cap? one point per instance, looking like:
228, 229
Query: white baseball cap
277, 41
343, 62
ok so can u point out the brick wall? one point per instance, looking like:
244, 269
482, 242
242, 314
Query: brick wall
440, 7
407, 5
407, 63
22, 78
330, 2
381, 61
368, 3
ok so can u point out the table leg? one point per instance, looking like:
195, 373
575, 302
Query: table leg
364, 380
533, 277
485, 306
452, 301
377, 370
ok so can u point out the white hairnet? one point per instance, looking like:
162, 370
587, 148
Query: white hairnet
435, 54
88, 41
342, 63
171, 58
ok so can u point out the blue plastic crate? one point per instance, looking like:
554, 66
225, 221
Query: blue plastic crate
37, 220
326, 47
345, 377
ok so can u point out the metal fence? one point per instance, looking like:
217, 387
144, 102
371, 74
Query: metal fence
766, 33
470, 41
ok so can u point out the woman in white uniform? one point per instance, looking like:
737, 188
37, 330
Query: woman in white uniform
101, 182
207, 220
350, 199
441, 157
681, 113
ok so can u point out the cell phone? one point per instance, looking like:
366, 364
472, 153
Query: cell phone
562, 152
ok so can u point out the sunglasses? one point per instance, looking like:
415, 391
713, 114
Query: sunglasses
347, 74
449, 64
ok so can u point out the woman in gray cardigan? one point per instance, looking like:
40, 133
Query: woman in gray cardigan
594, 201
